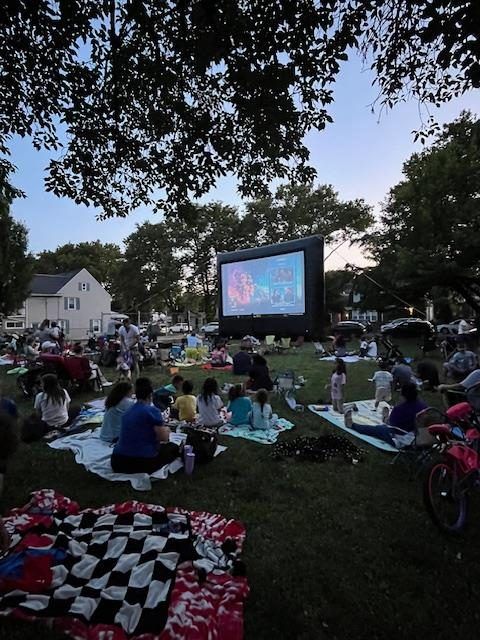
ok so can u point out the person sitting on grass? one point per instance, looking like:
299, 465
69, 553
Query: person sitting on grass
259, 375
363, 347
261, 415
51, 410
163, 397
143, 445
461, 363
427, 372
118, 402
339, 345
398, 428
454, 393
239, 406
219, 356
29, 350
383, 384
372, 349
209, 404
186, 404
242, 361
402, 373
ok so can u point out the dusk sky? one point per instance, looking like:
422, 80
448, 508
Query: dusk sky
360, 154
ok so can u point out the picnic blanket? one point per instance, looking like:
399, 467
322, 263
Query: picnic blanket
366, 414
347, 359
128, 570
95, 455
262, 436
208, 366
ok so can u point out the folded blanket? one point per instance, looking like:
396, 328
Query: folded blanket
262, 436
95, 456
366, 414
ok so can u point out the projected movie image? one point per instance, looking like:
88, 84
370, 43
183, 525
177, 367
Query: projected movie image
264, 286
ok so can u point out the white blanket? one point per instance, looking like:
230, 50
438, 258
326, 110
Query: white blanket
347, 359
95, 455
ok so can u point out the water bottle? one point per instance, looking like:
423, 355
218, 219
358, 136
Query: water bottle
189, 463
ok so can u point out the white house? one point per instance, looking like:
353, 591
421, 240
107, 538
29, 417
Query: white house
75, 300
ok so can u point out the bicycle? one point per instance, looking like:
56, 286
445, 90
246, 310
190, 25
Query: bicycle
449, 481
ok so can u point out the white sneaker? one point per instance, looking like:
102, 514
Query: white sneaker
107, 384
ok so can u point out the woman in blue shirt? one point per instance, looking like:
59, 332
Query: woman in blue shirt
118, 402
143, 445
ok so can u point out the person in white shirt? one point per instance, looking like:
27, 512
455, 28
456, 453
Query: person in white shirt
129, 339
51, 404
383, 380
209, 404
372, 349
463, 327
363, 348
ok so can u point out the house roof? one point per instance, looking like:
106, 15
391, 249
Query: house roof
45, 284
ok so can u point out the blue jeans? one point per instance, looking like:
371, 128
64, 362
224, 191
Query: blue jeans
381, 431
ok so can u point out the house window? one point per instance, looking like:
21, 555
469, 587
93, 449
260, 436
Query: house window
14, 324
71, 303
95, 326
84, 286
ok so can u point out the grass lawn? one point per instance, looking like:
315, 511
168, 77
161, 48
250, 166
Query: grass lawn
332, 550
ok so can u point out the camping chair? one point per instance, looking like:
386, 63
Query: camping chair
176, 352
284, 385
79, 373
283, 345
420, 451
269, 343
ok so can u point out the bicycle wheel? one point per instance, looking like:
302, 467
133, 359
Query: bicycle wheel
445, 503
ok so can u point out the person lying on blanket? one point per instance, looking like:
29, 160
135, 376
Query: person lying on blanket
261, 415
399, 427
143, 445
239, 406
118, 402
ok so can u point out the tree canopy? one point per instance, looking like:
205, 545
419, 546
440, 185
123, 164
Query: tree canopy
146, 102
15, 261
429, 231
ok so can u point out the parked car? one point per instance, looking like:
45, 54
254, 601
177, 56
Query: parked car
452, 327
410, 327
349, 328
211, 328
388, 325
180, 327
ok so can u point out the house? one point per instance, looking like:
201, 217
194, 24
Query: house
75, 300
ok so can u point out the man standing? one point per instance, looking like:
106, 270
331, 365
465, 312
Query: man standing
129, 338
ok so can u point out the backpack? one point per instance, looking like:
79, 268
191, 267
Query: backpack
203, 442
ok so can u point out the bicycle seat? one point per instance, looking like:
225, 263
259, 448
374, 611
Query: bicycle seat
442, 430
459, 411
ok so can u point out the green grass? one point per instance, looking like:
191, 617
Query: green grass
332, 550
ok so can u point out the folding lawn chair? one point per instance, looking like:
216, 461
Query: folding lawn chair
283, 345
269, 343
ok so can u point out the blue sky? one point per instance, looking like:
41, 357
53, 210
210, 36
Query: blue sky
360, 154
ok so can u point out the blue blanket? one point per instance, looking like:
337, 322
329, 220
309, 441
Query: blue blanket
267, 436
365, 415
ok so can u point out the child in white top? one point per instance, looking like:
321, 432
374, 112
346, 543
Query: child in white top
383, 380
209, 404
337, 385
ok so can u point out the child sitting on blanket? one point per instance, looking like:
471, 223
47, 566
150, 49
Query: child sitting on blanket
383, 380
337, 385
261, 416
163, 396
239, 406
209, 404
186, 404
118, 402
